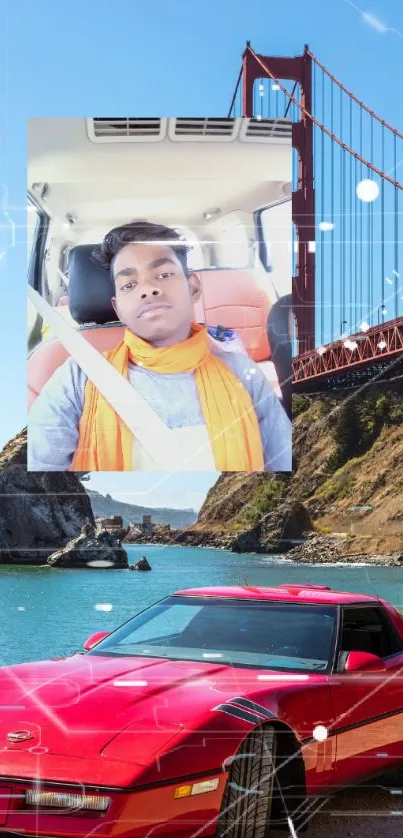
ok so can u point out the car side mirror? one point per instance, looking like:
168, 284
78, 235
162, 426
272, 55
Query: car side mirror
94, 639
364, 662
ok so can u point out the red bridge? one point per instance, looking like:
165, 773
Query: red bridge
348, 245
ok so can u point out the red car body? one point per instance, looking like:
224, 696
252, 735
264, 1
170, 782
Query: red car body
135, 729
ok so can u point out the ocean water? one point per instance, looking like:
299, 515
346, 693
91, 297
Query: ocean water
47, 612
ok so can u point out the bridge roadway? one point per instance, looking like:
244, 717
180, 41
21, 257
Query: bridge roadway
352, 361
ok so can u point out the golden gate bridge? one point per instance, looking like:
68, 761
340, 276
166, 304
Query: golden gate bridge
347, 292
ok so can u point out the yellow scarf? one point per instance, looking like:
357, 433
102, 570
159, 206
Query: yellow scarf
106, 444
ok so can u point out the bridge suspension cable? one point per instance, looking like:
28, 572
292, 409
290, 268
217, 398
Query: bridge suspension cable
322, 127
354, 215
352, 96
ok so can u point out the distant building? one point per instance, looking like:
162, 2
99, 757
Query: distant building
109, 524
147, 526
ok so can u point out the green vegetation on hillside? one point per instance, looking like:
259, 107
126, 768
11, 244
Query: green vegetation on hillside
263, 500
358, 422
299, 405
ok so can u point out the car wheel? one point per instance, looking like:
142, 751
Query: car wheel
246, 805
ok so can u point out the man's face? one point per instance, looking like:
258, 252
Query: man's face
154, 298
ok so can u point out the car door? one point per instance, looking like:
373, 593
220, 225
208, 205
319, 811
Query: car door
368, 706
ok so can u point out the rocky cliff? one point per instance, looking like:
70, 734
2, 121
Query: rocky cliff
347, 479
39, 512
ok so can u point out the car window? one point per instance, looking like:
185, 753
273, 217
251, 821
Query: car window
33, 221
367, 629
37, 234
64, 260
61, 299
233, 248
195, 258
274, 247
163, 623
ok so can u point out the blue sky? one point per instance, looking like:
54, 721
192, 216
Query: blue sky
156, 59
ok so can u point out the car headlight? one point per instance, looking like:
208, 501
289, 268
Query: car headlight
63, 800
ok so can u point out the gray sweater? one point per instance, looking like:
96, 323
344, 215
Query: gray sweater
53, 422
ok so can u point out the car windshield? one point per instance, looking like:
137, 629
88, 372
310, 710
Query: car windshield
281, 636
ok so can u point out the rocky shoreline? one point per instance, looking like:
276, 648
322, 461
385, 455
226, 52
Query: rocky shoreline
311, 548
319, 549
286, 531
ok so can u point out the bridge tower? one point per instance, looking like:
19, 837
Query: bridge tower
299, 70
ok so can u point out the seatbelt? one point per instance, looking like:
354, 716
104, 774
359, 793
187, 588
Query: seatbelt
152, 433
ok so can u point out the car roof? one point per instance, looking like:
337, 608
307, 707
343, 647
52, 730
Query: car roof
319, 594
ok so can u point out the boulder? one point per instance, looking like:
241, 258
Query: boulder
39, 511
142, 564
276, 532
133, 534
91, 550
88, 528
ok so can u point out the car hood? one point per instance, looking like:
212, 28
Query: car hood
79, 705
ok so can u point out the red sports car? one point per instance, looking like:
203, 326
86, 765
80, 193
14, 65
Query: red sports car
217, 711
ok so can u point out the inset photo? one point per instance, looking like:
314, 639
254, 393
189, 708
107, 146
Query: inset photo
159, 295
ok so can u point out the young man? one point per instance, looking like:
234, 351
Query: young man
216, 401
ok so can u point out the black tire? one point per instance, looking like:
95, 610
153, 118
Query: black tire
246, 805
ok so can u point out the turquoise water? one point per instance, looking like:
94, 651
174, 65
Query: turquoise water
47, 612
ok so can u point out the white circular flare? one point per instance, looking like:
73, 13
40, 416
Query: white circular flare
367, 190
320, 733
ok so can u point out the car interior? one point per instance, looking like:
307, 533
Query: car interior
365, 630
224, 184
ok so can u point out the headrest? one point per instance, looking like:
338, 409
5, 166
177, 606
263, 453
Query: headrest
89, 287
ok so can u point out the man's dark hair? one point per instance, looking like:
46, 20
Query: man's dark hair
138, 232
